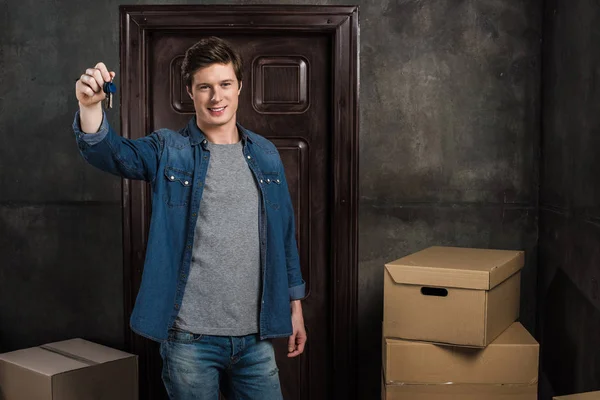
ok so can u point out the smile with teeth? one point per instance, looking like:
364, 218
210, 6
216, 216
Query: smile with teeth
217, 109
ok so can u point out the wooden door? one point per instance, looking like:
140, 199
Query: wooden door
294, 84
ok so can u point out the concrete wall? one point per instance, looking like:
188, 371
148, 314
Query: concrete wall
449, 142
569, 257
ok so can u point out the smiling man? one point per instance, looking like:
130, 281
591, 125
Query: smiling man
222, 274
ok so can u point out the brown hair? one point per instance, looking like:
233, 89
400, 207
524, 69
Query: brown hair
208, 51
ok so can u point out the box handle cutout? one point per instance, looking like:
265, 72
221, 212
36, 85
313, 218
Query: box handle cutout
434, 291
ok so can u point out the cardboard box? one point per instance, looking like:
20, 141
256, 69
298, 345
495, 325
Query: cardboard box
459, 392
580, 396
511, 359
452, 295
69, 370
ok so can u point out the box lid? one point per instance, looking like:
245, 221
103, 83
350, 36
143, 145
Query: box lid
510, 359
580, 396
456, 267
59, 357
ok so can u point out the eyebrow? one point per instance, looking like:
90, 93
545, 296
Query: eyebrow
208, 84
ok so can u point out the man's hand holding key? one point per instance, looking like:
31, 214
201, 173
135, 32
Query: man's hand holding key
89, 91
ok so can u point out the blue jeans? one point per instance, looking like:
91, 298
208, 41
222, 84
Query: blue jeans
198, 366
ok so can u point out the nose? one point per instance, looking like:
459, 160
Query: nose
217, 95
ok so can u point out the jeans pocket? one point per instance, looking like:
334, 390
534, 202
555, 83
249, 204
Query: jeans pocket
178, 336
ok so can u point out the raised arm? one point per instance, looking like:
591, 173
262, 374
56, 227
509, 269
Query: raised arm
99, 144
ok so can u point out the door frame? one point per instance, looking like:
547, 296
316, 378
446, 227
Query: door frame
341, 23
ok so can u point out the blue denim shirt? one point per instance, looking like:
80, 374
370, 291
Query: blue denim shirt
175, 164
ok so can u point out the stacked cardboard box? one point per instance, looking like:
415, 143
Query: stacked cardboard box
449, 329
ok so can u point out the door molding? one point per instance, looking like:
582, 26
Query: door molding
341, 23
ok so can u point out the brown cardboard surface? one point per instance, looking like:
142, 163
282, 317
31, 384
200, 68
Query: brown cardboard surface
457, 318
69, 370
19, 383
460, 392
42, 361
457, 267
580, 396
503, 304
465, 313
88, 350
116, 380
511, 359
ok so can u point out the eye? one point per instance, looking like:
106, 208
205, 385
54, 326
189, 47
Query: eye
227, 84
203, 87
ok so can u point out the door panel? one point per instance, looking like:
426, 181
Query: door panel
299, 91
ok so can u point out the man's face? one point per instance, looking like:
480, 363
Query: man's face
215, 92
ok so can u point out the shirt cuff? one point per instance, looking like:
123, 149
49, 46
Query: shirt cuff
298, 292
90, 138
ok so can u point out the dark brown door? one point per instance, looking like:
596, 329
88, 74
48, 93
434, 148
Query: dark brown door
287, 96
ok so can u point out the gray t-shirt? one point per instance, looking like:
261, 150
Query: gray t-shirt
223, 289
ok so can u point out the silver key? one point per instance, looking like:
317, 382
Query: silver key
109, 99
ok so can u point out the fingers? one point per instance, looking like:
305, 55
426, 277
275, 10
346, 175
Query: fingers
103, 71
301, 344
296, 345
294, 353
292, 343
92, 82
93, 78
83, 87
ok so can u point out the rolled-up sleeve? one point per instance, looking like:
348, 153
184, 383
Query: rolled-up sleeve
298, 292
90, 138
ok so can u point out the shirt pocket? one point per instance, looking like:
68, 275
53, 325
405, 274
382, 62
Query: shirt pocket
272, 188
178, 186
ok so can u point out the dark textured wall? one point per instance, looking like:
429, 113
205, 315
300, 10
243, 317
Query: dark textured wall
448, 150
569, 257
449, 140
60, 220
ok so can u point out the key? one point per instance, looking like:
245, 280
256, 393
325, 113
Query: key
109, 88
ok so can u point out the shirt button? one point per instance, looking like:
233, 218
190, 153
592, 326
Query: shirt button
204, 141
194, 214
189, 247
186, 183
172, 177
261, 181
177, 306
249, 157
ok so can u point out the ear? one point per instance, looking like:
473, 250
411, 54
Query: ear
240, 89
187, 89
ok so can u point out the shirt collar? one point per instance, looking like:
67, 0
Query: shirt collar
197, 136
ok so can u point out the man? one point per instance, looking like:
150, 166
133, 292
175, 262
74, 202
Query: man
221, 275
